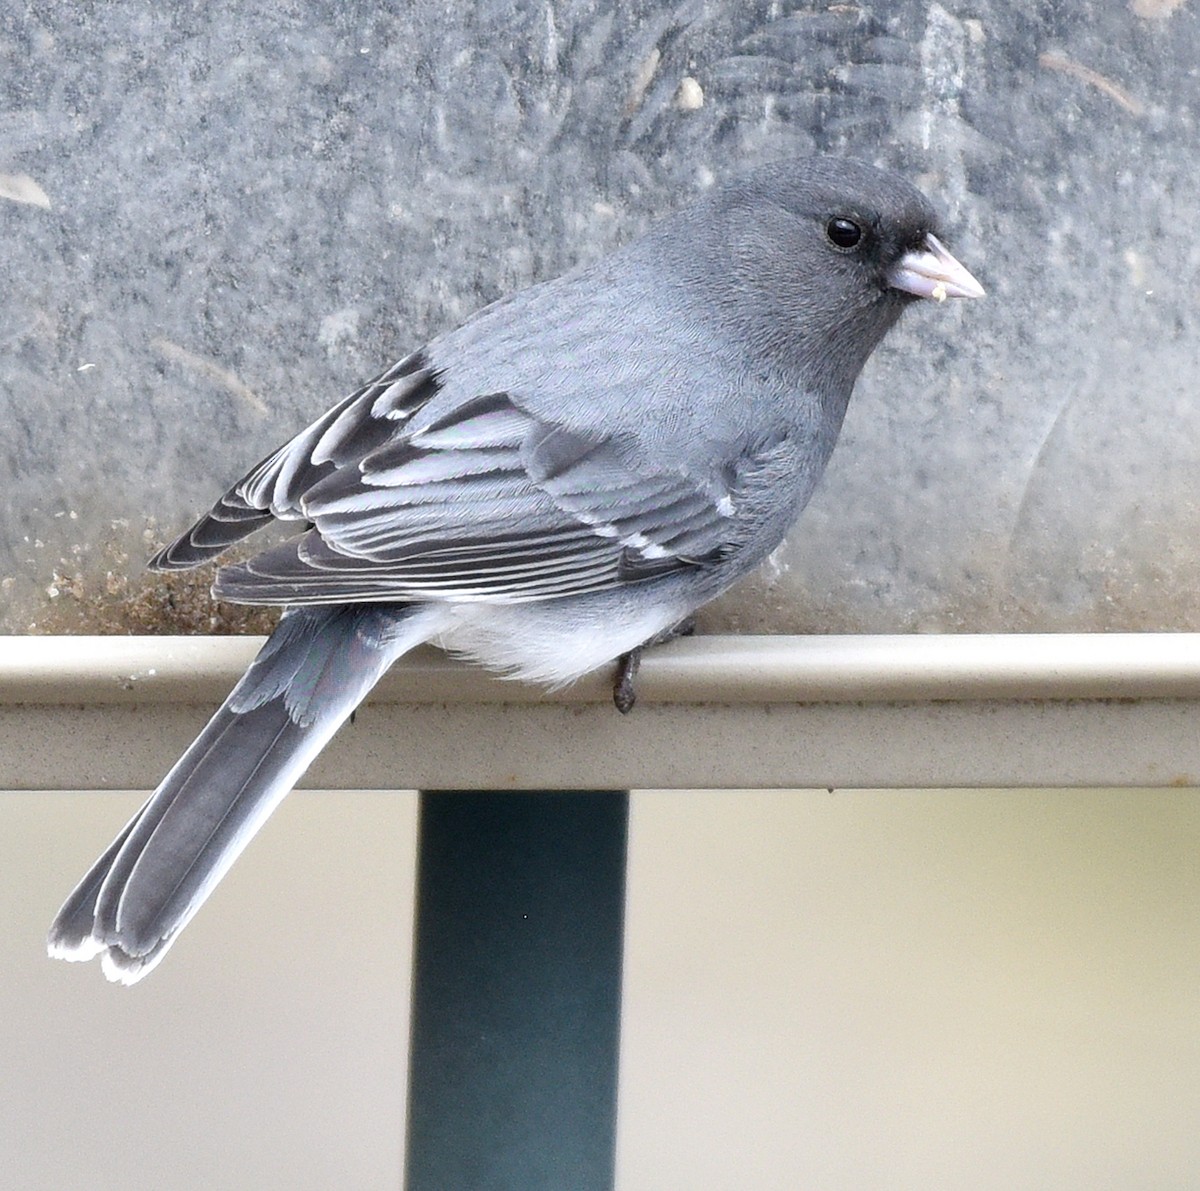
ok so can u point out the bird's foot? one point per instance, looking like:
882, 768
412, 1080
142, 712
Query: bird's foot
624, 694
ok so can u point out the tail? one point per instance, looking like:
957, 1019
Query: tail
312, 673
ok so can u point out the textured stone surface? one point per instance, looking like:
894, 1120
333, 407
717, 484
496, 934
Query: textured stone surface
217, 220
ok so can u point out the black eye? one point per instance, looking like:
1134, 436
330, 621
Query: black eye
842, 232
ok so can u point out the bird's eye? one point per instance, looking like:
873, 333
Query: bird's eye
843, 233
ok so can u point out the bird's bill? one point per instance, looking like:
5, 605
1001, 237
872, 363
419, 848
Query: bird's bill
932, 272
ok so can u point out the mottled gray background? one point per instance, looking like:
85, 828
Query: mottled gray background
217, 219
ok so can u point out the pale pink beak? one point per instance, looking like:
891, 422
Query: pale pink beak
932, 272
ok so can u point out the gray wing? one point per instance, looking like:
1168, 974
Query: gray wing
485, 502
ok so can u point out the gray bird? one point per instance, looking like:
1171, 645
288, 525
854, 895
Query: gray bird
560, 481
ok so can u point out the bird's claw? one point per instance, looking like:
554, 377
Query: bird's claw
624, 692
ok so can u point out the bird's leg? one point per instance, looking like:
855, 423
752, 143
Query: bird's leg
624, 695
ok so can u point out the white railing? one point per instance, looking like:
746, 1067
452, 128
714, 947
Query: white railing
888, 711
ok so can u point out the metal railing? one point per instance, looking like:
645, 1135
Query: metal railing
523, 821
888, 711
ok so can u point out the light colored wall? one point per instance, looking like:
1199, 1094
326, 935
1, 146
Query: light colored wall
270, 1054
937, 989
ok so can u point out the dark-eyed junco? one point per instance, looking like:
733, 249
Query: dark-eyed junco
559, 481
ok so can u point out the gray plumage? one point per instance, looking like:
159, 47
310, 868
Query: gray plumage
560, 480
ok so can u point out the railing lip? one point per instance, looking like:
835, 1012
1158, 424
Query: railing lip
738, 670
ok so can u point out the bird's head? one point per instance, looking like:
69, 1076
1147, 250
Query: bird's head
813, 261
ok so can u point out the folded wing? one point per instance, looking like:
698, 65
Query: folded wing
485, 502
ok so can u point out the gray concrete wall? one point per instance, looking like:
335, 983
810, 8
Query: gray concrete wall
217, 219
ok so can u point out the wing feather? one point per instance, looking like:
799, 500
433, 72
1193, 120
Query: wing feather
484, 501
